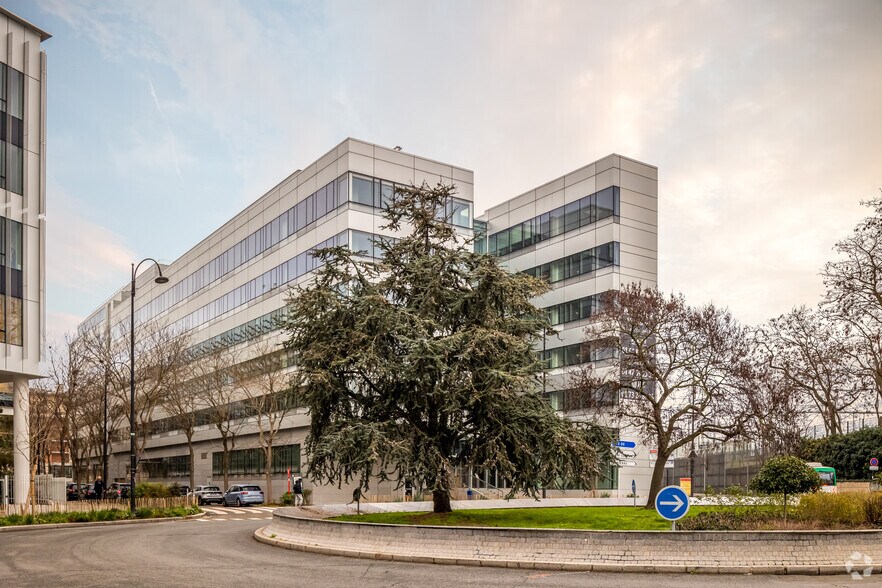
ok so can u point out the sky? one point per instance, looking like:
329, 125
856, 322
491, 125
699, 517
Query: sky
168, 117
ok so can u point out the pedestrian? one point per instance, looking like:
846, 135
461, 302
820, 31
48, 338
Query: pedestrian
298, 491
99, 488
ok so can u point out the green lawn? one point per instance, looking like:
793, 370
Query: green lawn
583, 517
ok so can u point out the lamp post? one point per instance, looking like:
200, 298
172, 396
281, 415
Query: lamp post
160, 279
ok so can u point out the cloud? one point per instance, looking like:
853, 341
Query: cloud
762, 118
85, 262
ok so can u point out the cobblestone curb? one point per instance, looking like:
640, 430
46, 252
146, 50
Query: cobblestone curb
702, 552
18, 528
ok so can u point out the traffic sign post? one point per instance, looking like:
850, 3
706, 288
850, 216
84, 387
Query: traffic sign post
672, 503
634, 491
874, 464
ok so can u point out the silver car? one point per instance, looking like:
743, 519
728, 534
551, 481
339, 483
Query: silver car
243, 495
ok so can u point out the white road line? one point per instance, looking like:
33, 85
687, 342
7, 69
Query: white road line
235, 519
203, 520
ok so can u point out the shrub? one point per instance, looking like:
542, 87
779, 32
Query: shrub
850, 454
873, 509
726, 520
833, 509
152, 490
287, 499
785, 475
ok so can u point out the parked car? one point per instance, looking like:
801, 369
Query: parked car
117, 490
88, 492
243, 495
208, 495
73, 492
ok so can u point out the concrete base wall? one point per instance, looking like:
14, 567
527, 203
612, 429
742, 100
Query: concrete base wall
771, 552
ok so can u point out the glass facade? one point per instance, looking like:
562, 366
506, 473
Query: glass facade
11, 281
11, 129
250, 462
177, 466
480, 242
574, 354
377, 193
574, 310
582, 212
310, 209
281, 274
578, 264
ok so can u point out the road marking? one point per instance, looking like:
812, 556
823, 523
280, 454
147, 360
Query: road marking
235, 519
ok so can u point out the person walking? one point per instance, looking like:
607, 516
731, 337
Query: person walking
99, 488
298, 491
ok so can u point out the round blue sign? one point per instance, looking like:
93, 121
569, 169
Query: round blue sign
874, 461
672, 503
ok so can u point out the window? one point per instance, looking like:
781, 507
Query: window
569, 217
577, 264
362, 190
249, 462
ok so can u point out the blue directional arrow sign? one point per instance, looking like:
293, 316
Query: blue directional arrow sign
625, 444
672, 503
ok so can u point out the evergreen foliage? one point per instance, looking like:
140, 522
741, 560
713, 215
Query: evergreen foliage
785, 475
850, 454
422, 361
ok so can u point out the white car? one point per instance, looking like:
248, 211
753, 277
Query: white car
208, 494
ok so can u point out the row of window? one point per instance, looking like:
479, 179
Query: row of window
379, 193
11, 129
176, 466
254, 328
281, 274
569, 217
11, 281
371, 191
574, 354
577, 264
574, 310
368, 243
251, 462
575, 399
305, 212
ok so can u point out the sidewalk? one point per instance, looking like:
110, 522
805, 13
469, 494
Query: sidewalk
423, 506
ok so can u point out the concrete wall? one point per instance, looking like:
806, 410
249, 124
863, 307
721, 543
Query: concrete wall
735, 552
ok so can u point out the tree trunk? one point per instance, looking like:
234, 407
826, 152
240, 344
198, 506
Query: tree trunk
225, 465
441, 501
658, 474
192, 462
268, 470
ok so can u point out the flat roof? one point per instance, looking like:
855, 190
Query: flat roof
12, 16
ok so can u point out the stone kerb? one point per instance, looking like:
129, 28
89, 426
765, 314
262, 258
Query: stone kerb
732, 552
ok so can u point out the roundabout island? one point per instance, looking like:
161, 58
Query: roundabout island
790, 552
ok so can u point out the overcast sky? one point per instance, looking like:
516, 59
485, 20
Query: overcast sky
167, 117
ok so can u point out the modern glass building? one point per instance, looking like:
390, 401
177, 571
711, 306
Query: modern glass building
586, 232
22, 224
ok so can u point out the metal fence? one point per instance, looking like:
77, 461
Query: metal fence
93, 505
716, 470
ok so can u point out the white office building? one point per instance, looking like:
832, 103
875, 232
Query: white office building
230, 287
22, 226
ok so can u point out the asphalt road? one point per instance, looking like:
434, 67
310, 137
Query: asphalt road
221, 552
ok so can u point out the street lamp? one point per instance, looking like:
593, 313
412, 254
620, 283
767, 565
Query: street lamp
160, 279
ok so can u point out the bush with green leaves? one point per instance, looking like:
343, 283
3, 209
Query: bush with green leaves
850, 454
152, 490
785, 475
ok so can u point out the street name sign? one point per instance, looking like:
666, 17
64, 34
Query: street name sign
625, 444
672, 503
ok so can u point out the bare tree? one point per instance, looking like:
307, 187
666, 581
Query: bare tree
268, 397
182, 403
813, 354
854, 295
776, 407
675, 369
160, 352
216, 380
